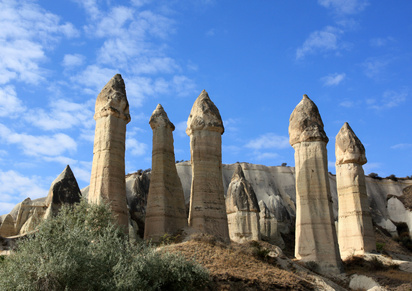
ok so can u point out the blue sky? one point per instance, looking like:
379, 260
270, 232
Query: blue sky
256, 59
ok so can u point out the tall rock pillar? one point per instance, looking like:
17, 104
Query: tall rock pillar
107, 182
207, 212
355, 229
165, 211
316, 238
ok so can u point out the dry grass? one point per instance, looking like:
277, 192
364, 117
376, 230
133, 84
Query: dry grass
245, 266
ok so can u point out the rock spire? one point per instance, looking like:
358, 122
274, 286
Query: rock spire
242, 208
316, 238
107, 182
207, 212
355, 230
165, 211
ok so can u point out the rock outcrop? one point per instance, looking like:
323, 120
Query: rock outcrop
165, 211
355, 229
107, 182
316, 238
242, 209
399, 208
63, 190
268, 226
207, 212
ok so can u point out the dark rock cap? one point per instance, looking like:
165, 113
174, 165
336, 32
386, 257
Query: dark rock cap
64, 189
204, 115
348, 147
159, 118
112, 100
305, 123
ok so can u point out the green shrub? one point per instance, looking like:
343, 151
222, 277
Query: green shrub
82, 249
379, 247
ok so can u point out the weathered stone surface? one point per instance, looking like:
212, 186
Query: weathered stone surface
207, 212
107, 182
63, 190
355, 231
242, 209
316, 238
399, 213
7, 227
268, 225
165, 211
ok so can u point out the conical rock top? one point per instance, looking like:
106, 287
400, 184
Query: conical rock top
240, 194
349, 149
204, 115
112, 100
159, 118
64, 189
305, 123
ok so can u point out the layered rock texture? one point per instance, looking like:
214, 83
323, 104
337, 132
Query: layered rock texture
355, 229
63, 190
268, 226
107, 182
316, 238
207, 212
165, 211
242, 209
400, 208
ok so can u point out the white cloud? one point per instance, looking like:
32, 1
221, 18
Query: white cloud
333, 79
266, 156
31, 145
63, 115
135, 147
94, 78
10, 105
6, 207
180, 128
372, 167
71, 61
402, 146
320, 41
210, 32
26, 25
267, 141
344, 6
381, 41
390, 99
15, 186
347, 104
374, 66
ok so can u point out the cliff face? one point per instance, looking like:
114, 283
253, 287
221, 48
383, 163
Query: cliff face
273, 185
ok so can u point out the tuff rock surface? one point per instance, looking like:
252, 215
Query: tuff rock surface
355, 229
107, 181
165, 210
315, 231
268, 225
207, 213
242, 209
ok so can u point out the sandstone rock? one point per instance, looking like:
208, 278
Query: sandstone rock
7, 227
361, 282
269, 226
355, 231
207, 212
165, 210
316, 238
242, 209
107, 182
63, 190
399, 213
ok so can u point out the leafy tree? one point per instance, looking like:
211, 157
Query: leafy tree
82, 249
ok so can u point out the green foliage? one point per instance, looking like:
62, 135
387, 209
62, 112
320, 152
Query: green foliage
258, 251
82, 249
405, 240
379, 247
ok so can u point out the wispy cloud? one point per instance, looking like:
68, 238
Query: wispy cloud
381, 41
344, 7
43, 146
402, 146
26, 25
374, 66
347, 104
320, 41
10, 105
390, 99
71, 61
135, 147
267, 141
333, 79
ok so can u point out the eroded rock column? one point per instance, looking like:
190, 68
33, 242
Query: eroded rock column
165, 211
207, 212
316, 238
242, 209
355, 229
107, 182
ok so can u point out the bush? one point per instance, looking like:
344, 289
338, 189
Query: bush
392, 177
82, 249
313, 266
374, 176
